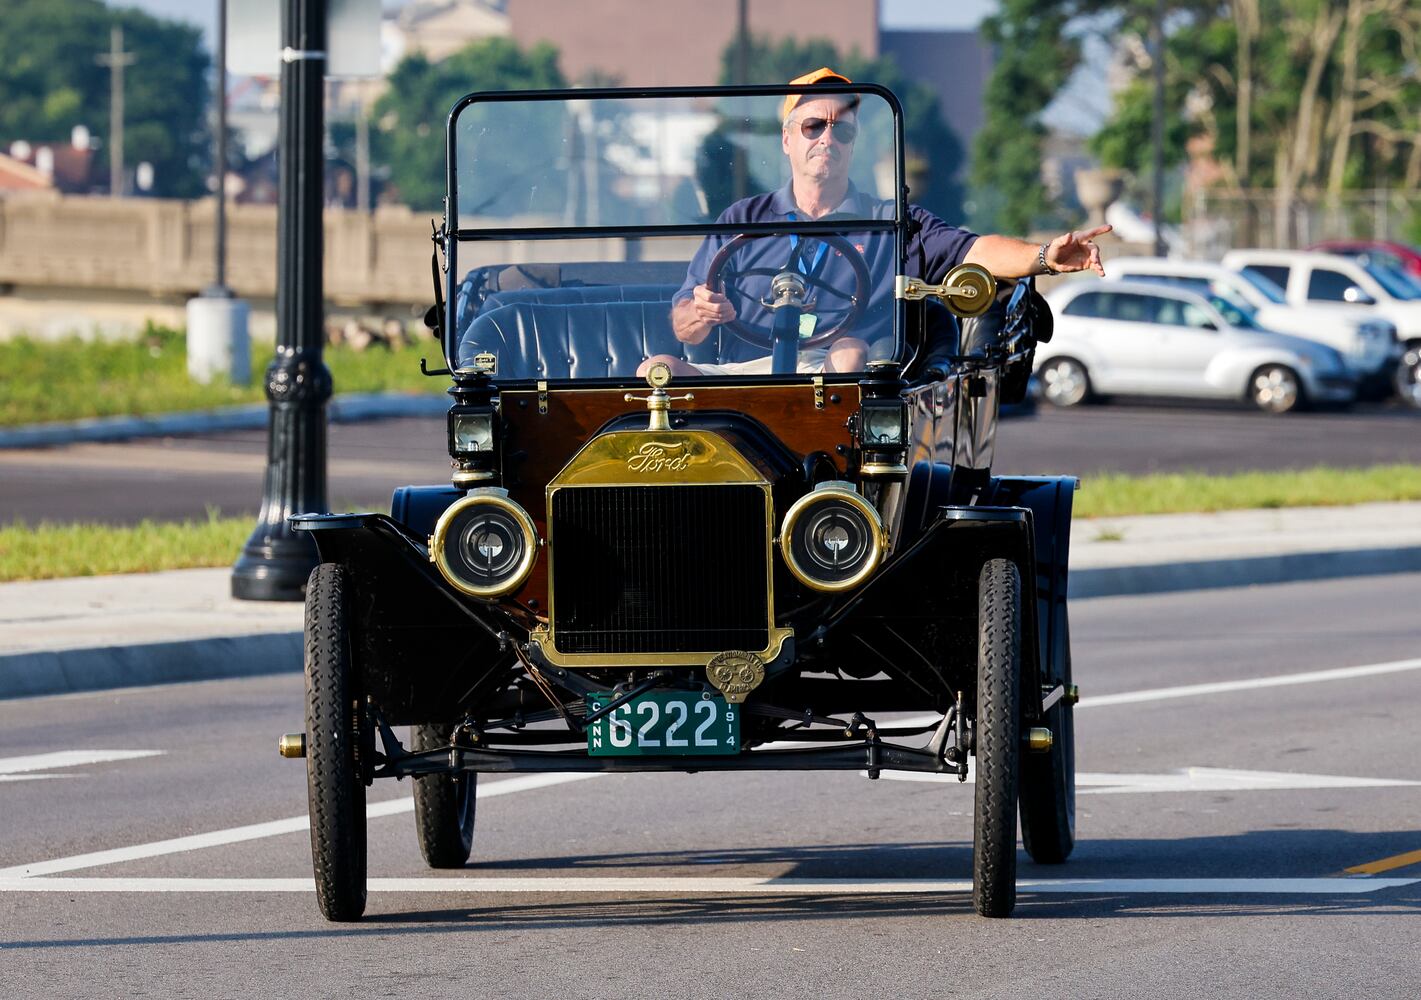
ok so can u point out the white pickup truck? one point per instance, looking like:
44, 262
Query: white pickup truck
1367, 342
1332, 285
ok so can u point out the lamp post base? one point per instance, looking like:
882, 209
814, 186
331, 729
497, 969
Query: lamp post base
274, 566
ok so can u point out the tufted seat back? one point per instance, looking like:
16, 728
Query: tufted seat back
580, 293
538, 340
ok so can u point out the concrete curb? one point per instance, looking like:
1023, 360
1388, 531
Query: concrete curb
68, 671
30, 675
346, 408
1293, 567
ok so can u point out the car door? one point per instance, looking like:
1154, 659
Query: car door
1136, 341
1187, 335
1337, 293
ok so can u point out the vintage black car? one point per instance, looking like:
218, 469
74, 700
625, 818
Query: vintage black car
792, 569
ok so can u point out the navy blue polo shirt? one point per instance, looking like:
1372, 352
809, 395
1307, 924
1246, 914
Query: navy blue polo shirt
934, 249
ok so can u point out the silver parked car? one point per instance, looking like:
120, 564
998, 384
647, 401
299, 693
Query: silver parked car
1368, 343
1138, 338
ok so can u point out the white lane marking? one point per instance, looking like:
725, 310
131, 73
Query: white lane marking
1249, 684
1188, 779
68, 758
707, 886
257, 831
525, 782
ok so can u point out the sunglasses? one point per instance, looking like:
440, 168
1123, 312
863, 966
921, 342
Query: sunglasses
813, 128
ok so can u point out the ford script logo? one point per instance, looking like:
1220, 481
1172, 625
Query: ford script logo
660, 456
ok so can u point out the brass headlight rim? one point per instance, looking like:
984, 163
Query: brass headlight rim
438, 543
796, 511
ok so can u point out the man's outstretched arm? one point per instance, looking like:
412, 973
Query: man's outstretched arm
1008, 257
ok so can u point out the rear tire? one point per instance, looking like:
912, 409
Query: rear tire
335, 788
997, 738
444, 806
1064, 382
1048, 780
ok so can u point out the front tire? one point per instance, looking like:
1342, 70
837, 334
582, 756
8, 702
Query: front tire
335, 788
1064, 382
1276, 389
997, 735
444, 805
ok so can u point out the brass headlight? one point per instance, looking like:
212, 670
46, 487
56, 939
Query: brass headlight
484, 544
832, 539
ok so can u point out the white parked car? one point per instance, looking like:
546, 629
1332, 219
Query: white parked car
1334, 285
1139, 338
1367, 342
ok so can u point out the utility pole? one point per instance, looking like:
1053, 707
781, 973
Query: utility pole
221, 166
275, 561
116, 60
217, 342
742, 76
1157, 124
362, 151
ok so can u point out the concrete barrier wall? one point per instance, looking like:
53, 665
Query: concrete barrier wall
164, 249
97, 266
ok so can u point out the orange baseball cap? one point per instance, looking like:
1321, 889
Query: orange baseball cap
820, 75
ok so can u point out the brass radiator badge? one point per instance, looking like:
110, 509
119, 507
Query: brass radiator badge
736, 673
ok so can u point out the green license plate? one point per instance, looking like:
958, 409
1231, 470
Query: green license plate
664, 722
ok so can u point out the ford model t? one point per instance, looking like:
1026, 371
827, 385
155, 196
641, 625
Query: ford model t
774, 543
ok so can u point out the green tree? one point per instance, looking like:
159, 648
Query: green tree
408, 120
49, 82
1293, 95
1034, 57
934, 152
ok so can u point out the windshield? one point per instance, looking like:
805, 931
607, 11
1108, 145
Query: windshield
1233, 308
1393, 281
1274, 293
593, 233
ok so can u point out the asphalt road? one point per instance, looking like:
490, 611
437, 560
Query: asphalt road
183, 477
1279, 782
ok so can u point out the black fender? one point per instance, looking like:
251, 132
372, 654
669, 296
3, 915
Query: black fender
422, 652
1050, 499
919, 614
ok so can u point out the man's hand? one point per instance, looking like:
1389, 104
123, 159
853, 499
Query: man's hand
694, 318
712, 307
1075, 251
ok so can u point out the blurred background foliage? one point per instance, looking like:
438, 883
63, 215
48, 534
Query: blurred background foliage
1296, 98
50, 82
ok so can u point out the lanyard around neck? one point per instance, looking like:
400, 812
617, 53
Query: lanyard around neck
819, 251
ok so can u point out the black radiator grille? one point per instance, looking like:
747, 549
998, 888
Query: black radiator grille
659, 569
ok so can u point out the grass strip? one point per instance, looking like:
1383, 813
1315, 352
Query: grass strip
76, 379
46, 550
1115, 495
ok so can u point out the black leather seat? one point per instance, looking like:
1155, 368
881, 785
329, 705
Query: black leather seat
539, 340
580, 293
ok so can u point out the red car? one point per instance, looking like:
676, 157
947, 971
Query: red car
1401, 256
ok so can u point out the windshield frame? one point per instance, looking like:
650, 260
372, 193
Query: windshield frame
451, 235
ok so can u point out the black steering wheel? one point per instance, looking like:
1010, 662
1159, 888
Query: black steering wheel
717, 276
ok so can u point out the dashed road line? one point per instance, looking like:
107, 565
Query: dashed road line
1249, 684
28, 768
257, 831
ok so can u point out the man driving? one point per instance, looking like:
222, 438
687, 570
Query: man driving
817, 138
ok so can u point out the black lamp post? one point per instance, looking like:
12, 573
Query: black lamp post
275, 562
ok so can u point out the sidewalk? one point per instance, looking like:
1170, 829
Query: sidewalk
101, 632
